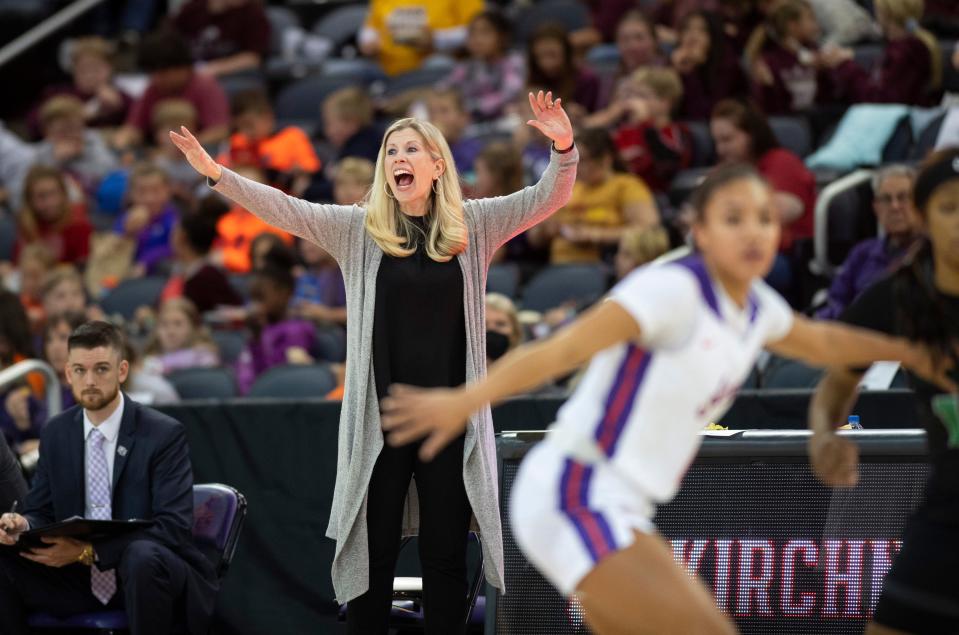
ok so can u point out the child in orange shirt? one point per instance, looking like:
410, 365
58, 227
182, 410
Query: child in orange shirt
237, 228
286, 156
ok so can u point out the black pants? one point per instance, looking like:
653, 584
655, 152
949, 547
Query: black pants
151, 581
444, 526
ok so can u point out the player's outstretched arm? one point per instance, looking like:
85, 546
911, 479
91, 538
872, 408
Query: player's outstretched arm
441, 414
824, 343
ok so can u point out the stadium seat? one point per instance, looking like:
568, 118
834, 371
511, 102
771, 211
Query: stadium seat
927, 139
341, 24
8, 236
282, 20
301, 100
792, 133
704, 153
230, 344
782, 373
241, 284
131, 294
294, 381
419, 79
204, 383
243, 81
843, 217
219, 512
503, 278
330, 345
557, 284
868, 55
950, 75
359, 67
899, 146
570, 14
602, 53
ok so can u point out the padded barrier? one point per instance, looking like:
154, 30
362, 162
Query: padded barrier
282, 455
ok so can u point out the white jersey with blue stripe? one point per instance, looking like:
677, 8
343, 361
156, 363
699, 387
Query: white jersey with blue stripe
640, 406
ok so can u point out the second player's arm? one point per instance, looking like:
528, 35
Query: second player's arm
831, 344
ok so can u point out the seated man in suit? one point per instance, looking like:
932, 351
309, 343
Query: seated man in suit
109, 458
12, 486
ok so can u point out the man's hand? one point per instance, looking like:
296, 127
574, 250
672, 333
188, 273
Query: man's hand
60, 553
11, 526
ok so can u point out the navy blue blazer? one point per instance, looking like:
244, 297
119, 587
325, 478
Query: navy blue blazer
152, 480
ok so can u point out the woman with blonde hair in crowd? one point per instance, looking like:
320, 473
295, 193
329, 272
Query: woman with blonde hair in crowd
414, 258
910, 70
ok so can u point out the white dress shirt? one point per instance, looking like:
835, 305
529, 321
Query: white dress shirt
110, 429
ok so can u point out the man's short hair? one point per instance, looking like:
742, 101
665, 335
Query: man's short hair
95, 334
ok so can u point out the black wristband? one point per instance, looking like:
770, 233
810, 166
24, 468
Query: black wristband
566, 151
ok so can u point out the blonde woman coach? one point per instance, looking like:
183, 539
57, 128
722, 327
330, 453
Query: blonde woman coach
414, 257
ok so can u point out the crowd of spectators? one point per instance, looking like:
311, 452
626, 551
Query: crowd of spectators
97, 199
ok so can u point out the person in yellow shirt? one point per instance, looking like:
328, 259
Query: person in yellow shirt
400, 34
605, 204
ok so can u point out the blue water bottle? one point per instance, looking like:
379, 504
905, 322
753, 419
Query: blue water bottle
853, 422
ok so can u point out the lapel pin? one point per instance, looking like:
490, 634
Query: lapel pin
122, 451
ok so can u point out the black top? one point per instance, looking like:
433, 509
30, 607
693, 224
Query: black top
419, 325
879, 309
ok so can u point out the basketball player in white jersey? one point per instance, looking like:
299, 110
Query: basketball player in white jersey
670, 347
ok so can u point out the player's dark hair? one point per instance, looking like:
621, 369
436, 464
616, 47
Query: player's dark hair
717, 179
922, 315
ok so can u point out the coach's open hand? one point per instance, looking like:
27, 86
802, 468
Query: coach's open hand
551, 119
410, 413
199, 158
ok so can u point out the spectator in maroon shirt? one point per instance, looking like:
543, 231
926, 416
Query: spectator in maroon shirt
605, 16
709, 68
742, 134
226, 36
549, 62
910, 71
105, 105
50, 218
788, 76
654, 146
637, 46
165, 56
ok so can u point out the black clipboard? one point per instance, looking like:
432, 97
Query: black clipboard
79, 528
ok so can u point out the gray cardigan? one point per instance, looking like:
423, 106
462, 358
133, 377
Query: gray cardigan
340, 231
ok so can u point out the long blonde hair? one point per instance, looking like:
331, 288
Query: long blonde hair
389, 226
907, 14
